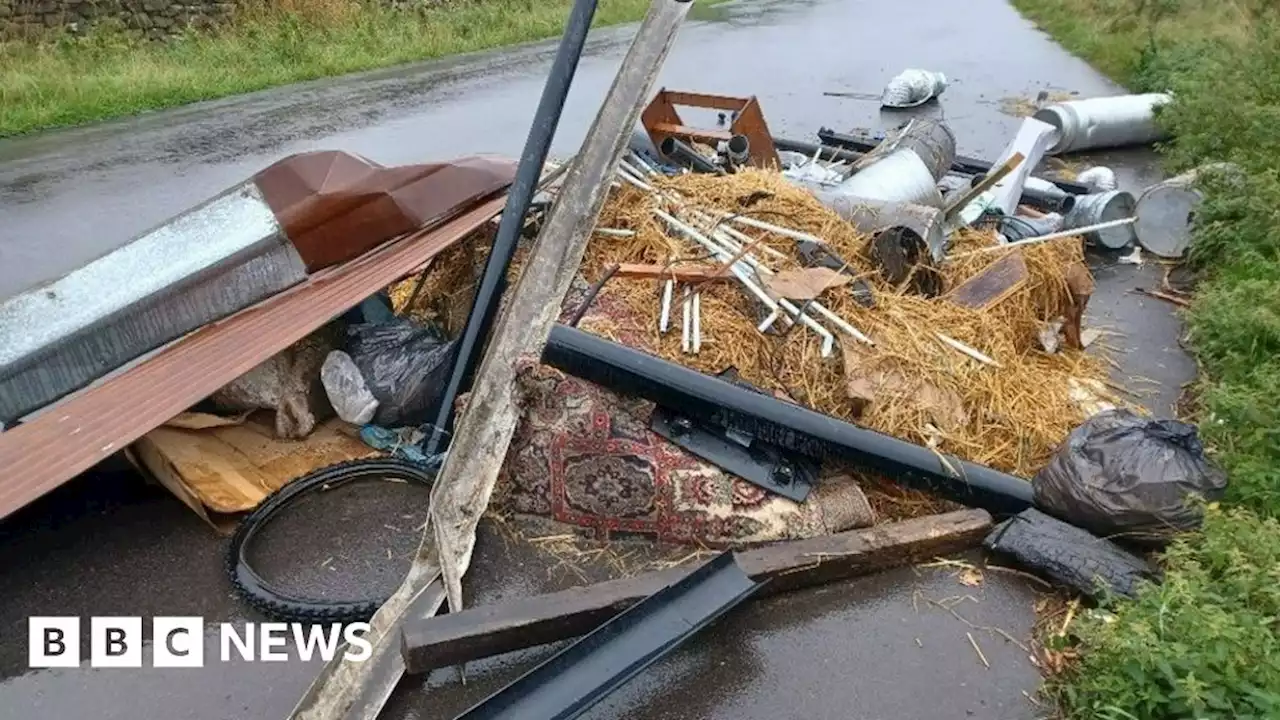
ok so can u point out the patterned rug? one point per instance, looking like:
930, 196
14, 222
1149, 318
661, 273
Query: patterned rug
584, 456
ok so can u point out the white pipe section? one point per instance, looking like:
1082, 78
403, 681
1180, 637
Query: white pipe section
828, 340
664, 322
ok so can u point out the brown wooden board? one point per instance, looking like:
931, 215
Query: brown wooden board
527, 622
1000, 279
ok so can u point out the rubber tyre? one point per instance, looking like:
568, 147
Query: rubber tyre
288, 607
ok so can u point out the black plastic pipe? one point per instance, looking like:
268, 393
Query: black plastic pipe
680, 153
824, 152
484, 309
711, 400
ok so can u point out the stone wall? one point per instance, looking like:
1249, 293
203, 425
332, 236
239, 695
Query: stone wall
156, 18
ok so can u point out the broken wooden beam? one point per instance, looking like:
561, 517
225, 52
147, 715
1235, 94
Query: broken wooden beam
996, 282
528, 622
679, 273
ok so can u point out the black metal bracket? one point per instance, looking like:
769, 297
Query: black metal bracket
582, 674
788, 474
721, 403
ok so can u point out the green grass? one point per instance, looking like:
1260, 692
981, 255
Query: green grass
65, 80
1203, 644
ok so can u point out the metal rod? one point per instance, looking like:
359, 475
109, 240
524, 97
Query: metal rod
817, 150
828, 340
785, 232
484, 308
1051, 236
681, 154
787, 425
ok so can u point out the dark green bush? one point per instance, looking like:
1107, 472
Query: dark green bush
1201, 645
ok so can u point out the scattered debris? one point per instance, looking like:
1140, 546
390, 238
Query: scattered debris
1024, 107
912, 88
996, 282
1133, 258
288, 383
1049, 335
1167, 297
346, 389
221, 466
529, 621
1098, 178
805, 284
978, 650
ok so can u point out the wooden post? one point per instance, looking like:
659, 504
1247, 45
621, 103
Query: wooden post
358, 690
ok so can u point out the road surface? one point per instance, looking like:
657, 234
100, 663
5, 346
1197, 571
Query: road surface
869, 649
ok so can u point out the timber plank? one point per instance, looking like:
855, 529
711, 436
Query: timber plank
484, 631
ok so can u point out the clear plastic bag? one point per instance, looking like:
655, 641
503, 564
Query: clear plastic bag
348, 392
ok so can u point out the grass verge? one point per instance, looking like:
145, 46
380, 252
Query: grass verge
67, 80
1204, 643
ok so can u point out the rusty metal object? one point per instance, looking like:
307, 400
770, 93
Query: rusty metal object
661, 121
335, 206
69, 438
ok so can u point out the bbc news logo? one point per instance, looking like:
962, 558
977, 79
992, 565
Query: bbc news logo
179, 642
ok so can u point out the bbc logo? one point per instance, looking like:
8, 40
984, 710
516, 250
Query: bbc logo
115, 642
178, 642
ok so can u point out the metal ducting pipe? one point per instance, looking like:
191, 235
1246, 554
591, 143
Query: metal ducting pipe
1101, 208
707, 399
962, 166
876, 216
680, 153
932, 141
739, 149
900, 177
1104, 122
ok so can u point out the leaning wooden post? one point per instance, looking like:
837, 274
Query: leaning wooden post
358, 690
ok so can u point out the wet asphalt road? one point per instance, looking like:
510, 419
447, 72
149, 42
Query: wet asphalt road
108, 545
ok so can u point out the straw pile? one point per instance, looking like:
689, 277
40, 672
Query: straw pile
1010, 417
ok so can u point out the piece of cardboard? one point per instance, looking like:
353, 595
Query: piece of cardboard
231, 466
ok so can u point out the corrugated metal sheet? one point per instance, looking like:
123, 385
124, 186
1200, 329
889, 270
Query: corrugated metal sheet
220, 257
72, 436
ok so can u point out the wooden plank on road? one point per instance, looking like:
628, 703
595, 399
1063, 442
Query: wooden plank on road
491, 630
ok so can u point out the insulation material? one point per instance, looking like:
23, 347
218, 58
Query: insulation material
198, 267
222, 465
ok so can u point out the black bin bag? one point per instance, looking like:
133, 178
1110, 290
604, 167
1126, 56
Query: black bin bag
1122, 476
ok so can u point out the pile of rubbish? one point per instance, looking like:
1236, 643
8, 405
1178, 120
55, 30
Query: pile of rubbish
712, 337
963, 372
